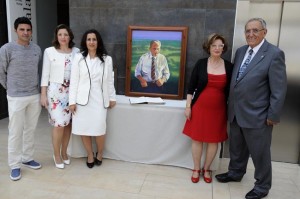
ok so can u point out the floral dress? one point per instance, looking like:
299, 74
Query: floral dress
58, 97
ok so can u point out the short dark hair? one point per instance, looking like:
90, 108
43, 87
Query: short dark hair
210, 39
100, 52
55, 42
22, 20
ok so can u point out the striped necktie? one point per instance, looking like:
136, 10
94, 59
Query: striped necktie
153, 68
244, 66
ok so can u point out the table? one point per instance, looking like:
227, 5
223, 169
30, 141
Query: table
145, 133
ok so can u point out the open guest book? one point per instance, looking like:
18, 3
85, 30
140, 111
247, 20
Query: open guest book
146, 100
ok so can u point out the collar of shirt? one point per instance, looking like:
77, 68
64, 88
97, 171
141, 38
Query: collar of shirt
150, 55
256, 48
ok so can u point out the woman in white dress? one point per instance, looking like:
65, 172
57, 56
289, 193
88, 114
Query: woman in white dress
57, 64
92, 91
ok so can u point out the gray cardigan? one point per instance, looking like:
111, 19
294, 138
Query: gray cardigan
19, 69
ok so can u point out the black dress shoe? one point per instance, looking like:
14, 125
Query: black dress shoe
254, 194
97, 161
90, 164
224, 177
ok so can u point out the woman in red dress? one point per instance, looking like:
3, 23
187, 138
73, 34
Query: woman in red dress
206, 105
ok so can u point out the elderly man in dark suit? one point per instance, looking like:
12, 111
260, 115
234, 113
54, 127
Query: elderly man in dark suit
257, 93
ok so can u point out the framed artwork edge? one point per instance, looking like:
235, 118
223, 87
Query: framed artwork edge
181, 71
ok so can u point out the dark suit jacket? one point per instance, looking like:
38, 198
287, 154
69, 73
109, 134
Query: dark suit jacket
199, 78
260, 92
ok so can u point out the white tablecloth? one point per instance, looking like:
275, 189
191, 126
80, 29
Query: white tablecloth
145, 133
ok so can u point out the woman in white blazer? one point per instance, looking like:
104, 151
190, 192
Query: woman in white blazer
57, 64
92, 91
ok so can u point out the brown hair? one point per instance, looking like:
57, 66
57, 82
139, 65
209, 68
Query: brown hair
210, 39
55, 42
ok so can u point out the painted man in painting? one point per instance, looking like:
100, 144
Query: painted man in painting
152, 69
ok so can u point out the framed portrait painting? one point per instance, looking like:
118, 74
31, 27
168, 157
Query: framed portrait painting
155, 62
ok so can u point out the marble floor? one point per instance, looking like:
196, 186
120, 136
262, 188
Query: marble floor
126, 180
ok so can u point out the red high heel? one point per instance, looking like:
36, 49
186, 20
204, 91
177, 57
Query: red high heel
195, 180
207, 179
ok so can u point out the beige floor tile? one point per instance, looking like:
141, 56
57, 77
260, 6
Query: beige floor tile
45, 189
104, 178
11, 190
29, 188
175, 188
119, 180
283, 194
127, 180
80, 192
119, 165
164, 170
284, 184
238, 190
296, 179
220, 190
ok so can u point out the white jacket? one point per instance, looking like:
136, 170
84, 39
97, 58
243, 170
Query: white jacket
80, 84
53, 66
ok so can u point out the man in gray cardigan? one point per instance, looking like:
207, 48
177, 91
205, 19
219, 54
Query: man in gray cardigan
19, 62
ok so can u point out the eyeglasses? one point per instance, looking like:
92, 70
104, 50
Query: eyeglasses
217, 46
254, 31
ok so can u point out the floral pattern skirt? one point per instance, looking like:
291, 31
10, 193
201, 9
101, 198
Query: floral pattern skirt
58, 108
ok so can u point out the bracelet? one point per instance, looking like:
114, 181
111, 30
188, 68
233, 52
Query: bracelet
188, 106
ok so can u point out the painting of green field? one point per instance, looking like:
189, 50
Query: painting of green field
171, 50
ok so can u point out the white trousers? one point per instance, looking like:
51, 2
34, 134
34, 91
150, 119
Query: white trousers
23, 117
